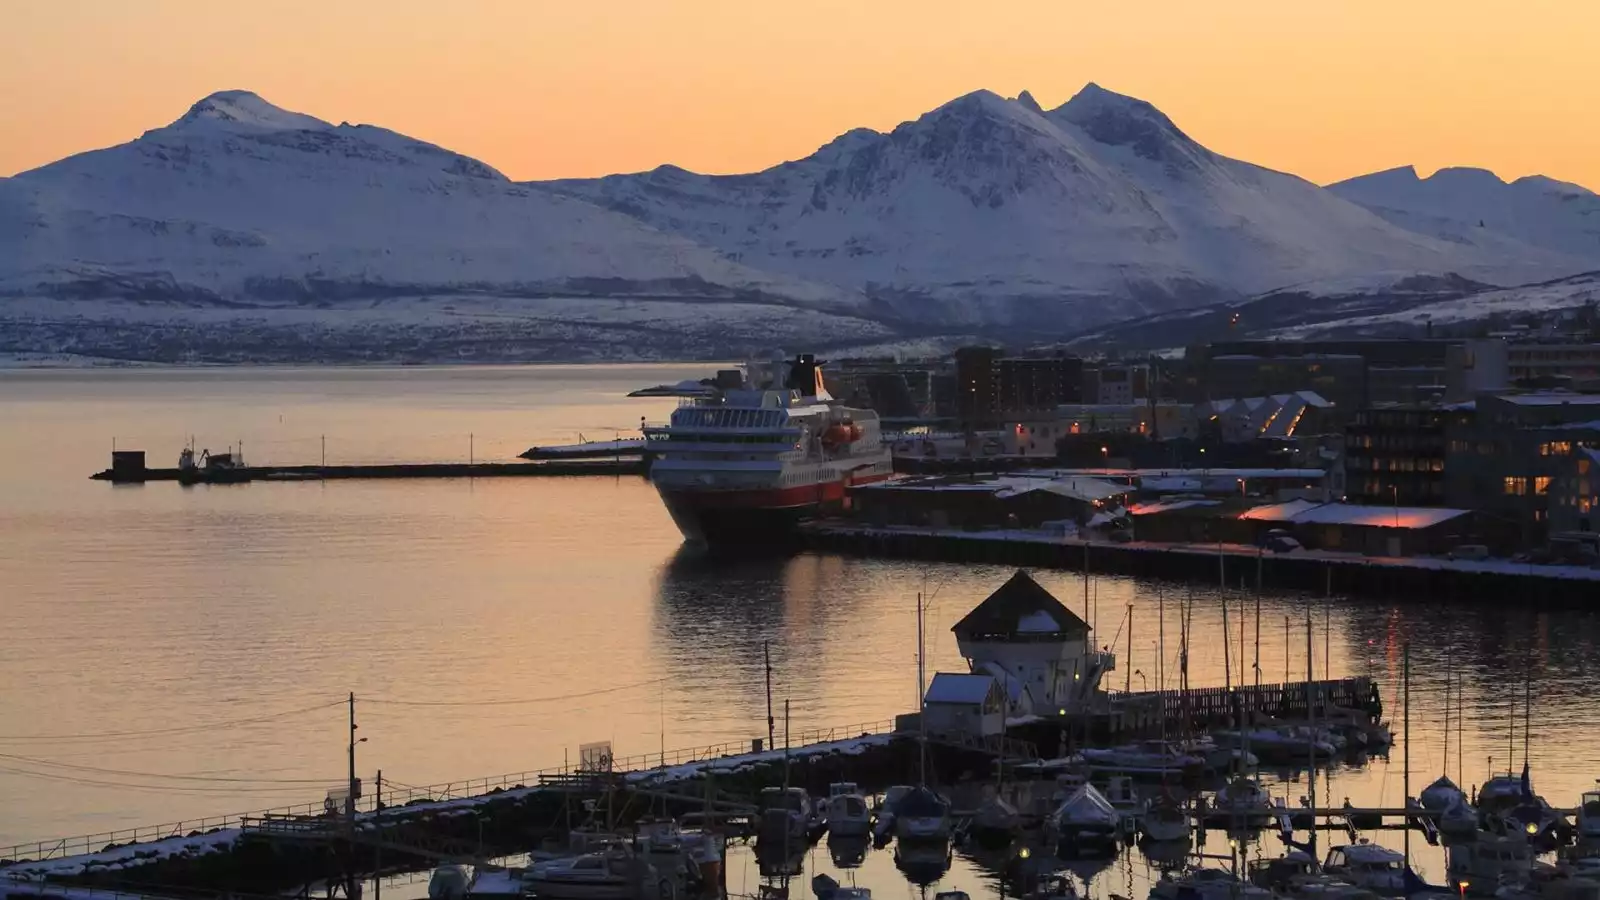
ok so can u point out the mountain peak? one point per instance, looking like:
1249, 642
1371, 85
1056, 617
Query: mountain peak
1463, 175
238, 110
1120, 120
1026, 99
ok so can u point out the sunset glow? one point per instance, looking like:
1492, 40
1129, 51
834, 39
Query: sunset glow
545, 90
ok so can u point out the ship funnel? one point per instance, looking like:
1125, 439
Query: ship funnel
805, 376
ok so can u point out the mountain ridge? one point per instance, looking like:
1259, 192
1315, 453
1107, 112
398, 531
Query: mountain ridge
985, 217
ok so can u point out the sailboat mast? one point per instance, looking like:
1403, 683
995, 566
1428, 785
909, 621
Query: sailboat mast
1161, 649
1527, 714
1311, 716
766, 658
922, 704
1447, 715
1127, 678
1406, 777
1227, 652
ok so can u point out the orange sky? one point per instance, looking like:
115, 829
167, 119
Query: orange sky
542, 88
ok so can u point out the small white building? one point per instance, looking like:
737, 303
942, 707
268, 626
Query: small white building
964, 704
1036, 649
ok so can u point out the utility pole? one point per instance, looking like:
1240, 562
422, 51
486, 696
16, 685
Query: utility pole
377, 851
766, 656
351, 881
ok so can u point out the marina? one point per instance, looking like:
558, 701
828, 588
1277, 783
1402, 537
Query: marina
833, 627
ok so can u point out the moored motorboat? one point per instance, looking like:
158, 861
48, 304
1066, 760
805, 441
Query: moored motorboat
921, 815
1243, 800
1085, 823
1165, 820
1206, 884
1370, 866
996, 823
1144, 758
785, 814
614, 873
848, 815
1589, 816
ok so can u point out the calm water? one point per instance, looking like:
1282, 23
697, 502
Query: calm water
491, 626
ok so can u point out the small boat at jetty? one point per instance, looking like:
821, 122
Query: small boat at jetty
1589, 816
996, 823
1086, 822
1511, 800
1206, 884
921, 815
1243, 798
847, 811
826, 888
1165, 820
615, 873
1453, 815
1370, 866
1144, 758
785, 814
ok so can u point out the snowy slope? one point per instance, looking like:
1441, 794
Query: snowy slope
240, 202
1472, 206
995, 210
1539, 301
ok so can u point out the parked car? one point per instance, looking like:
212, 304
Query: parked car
1469, 551
1280, 541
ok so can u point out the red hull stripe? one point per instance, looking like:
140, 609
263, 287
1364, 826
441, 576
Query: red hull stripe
768, 498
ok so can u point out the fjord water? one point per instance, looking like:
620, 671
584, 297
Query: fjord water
488, 626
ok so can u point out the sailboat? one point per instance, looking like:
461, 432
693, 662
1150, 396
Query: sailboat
1454, 816
921, 814
1510, 799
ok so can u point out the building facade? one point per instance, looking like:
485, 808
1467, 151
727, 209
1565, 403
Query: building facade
1506, 459
1397, 455
1575, 493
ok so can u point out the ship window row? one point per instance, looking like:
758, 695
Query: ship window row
712, 417
714, 438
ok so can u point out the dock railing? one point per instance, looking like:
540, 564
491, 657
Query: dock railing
396, 794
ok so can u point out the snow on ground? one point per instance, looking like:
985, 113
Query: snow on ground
1570, 293
1035, 536
443, 327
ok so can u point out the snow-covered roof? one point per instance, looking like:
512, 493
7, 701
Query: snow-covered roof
1165, 506
1310, 512
1551, 398
1022, 610
1085, 489
948, 687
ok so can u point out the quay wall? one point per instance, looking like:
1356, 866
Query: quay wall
1426, 580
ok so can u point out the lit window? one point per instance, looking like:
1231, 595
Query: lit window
1515, 485
1541, 484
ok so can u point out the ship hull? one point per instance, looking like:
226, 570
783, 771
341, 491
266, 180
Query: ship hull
749, 517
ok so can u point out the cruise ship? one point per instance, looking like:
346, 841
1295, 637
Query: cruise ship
761, 450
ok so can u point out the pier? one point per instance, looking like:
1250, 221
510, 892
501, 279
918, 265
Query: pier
401, 827
1427, 579
567, 468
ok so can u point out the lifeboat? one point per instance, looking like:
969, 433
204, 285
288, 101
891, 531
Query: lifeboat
841, 433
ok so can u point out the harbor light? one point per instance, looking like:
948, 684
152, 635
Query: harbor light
1024, 853
1532, 828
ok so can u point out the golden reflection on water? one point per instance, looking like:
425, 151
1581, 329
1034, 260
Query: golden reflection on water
493, 625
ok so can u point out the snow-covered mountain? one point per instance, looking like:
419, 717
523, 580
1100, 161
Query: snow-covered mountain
243, 231
242, 206
993, 210
1467, 206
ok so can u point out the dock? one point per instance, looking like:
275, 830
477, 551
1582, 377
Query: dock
622, 447
1427, 579
556, 468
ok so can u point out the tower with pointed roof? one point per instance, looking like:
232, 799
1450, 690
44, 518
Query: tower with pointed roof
1035, 647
